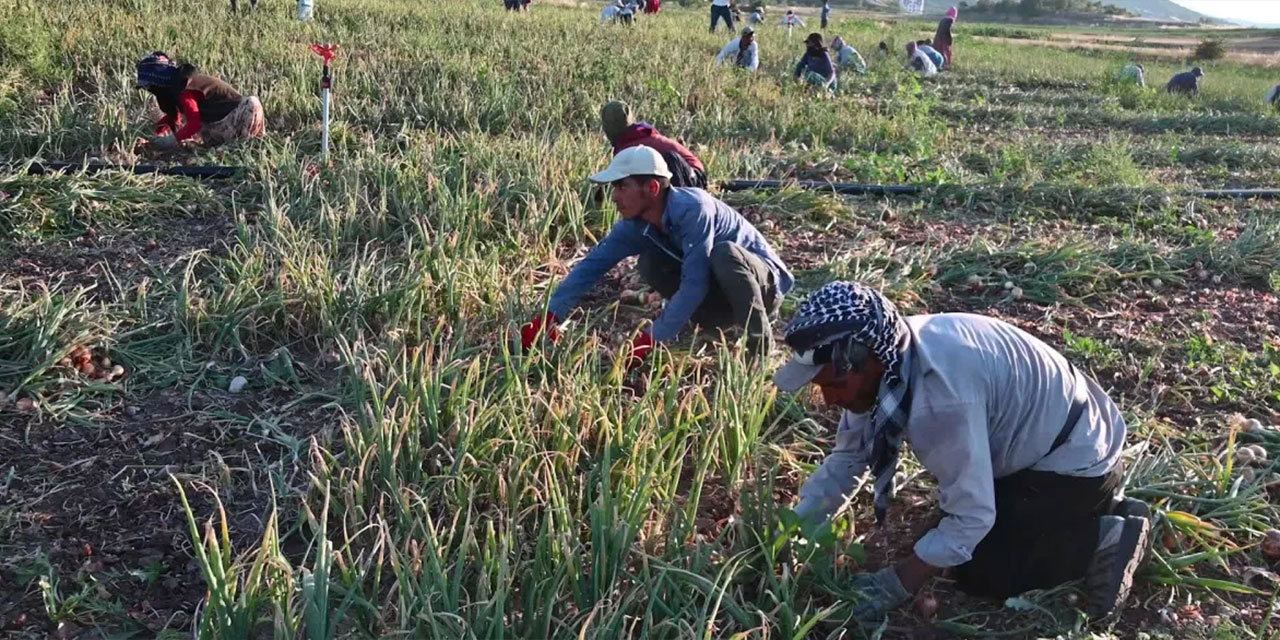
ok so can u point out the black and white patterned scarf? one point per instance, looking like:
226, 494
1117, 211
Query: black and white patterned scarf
840, 314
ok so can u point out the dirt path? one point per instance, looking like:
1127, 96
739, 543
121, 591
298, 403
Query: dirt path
1254, 57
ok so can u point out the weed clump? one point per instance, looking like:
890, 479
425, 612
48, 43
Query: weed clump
1211, 49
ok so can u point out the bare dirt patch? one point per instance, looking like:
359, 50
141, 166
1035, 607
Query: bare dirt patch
93, 519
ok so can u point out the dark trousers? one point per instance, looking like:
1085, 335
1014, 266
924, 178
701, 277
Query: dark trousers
1045, 533
743, 290
721, 12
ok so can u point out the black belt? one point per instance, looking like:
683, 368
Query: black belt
1073, 416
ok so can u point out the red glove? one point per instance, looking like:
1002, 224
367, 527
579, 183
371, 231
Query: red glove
529, 332
641, 347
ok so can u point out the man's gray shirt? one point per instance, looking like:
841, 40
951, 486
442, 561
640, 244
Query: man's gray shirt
989, 400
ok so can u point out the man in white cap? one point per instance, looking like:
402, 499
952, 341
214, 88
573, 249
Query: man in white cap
1025, 448
742, 52
711, 265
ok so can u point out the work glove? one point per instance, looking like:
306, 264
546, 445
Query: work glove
878, 594
641, 347
165, 142
529, 332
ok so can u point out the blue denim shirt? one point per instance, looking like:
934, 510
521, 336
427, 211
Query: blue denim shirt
695, 222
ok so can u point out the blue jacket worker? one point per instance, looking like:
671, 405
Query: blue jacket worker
815, 66
710, 264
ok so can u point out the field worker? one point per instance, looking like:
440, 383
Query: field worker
610, 12
926, 47
1273, 97
847, 56
710, 264
624, 132
942, 37
208, 106
720, 10
815, 65
653, 7
790, 19
1133, 73
882, 50
627, 14
742, 52
1187, 82
917, 60
1025, 448
826, 13
756, 17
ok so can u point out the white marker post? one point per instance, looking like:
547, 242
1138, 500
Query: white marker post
327, 52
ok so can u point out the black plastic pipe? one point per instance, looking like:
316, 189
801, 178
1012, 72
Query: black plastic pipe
202, 172
848, 188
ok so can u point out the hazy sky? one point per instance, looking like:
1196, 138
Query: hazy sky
1253, 11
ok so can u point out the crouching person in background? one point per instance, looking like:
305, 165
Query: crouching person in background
205, 105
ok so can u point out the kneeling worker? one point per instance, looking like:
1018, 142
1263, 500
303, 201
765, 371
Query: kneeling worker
208, 106
696, 251
1025, 448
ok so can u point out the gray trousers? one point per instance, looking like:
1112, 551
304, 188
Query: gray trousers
742, 293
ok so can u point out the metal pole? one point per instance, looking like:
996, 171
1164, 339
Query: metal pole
327, 52
326, 85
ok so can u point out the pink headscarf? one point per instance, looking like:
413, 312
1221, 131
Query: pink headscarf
953, 13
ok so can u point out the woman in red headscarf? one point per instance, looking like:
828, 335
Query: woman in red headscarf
942, 39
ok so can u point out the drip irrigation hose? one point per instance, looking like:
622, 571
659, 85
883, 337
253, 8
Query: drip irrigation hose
214, 172
203, 172
849, 188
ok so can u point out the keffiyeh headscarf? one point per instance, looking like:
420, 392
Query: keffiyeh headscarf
842, 319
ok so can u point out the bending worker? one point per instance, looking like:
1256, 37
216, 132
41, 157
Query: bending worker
624, 132
1133, 73
847, 57
208, 106
1186, 83
1025, 448
712, 266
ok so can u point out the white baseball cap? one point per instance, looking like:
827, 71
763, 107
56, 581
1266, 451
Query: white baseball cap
633, 161
798, 372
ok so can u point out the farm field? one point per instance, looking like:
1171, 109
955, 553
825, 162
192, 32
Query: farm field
394, 466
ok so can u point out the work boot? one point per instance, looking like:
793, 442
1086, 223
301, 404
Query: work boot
1131, 507
1122, 545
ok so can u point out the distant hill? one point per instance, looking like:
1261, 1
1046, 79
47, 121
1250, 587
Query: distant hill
1164, 10
1158, 10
